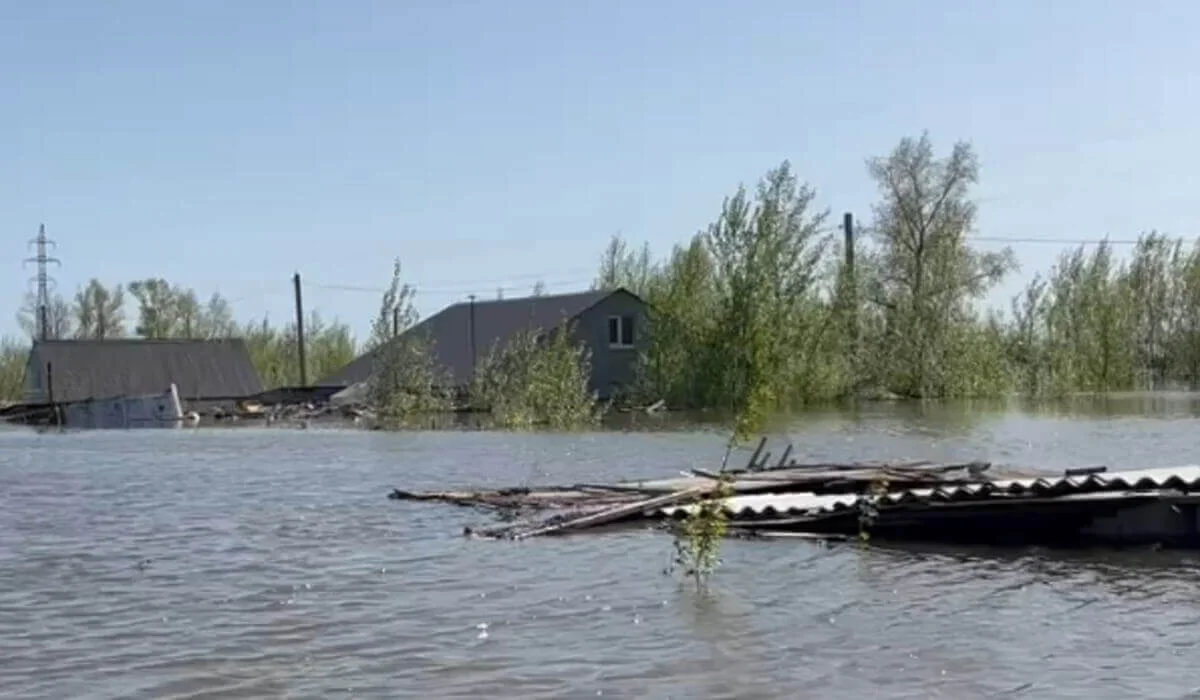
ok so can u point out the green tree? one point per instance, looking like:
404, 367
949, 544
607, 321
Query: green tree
216, 319
682, 360
406, 380
158, 308
275, 351
14, 355
923, 277
99, 311
621, 267
58, 317
767, 254
329, 345
1183, 338
397, 310
537, 379
740, 316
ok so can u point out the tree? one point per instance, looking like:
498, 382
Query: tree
405, 378
274, 350
924, 275
99, 311
397, 312
172, 311
536, 379
13, 357
767, 255
58, 317
738, 318
158, 308
217, 321
1154, 290
681, 362
188, 314
621, 267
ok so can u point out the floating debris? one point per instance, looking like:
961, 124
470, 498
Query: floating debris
963, 502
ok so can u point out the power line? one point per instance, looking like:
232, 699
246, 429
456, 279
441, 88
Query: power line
481, 287
478, 289
481, 292
1056, 241
864, 232
500, 286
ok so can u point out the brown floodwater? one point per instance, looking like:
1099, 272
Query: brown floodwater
268, 563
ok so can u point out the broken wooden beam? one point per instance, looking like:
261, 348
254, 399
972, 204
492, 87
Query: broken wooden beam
616, 513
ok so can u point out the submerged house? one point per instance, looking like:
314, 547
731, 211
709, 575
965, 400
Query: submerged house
205, 372
610, 323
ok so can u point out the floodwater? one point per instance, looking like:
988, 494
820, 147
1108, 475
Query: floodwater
254, 563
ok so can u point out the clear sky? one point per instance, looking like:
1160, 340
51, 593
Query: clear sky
225, 145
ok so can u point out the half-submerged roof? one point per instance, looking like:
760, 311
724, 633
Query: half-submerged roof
496, 322
200, 369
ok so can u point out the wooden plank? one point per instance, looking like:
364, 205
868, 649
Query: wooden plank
613, 514
786, 534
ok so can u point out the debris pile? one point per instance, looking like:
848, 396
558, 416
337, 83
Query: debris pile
562, 509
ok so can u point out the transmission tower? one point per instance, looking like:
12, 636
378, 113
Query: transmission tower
45, 283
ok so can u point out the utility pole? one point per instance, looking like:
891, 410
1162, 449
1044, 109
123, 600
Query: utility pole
848, 227
300, 330
471, 332
850, 284
44, 281
396, 322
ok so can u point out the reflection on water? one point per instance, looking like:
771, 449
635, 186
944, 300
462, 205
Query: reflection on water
268, 563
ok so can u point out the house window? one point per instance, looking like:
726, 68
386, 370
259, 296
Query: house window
620, 331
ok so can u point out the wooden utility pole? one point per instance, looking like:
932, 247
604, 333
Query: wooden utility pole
300, 330
850, 283
848, 227
471, 331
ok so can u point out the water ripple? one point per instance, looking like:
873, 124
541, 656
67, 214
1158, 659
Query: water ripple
230, 564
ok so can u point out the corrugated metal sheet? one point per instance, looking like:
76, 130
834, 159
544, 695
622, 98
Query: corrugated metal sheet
1185, 478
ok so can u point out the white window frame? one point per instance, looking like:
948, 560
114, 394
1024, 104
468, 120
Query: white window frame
621, 343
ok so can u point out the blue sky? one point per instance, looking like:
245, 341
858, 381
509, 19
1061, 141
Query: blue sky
225, 145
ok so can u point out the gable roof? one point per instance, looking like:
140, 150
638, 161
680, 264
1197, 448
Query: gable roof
496, 322
201, 369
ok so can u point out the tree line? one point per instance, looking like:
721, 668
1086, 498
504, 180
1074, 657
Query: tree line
763, 310
161, 310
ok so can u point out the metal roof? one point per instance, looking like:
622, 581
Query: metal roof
496, 322
1184, 478
200, 369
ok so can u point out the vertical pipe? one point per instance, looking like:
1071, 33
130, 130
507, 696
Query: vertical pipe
300, 330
